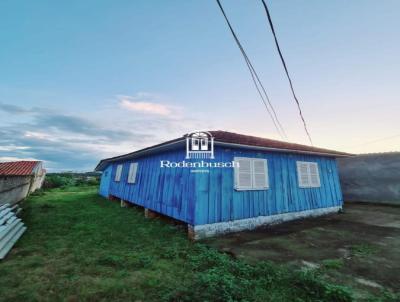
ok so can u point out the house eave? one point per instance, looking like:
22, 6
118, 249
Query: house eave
252, 147
169, 146
103, 163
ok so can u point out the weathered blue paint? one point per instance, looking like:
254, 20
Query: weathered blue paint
170, 191
203, 198
105, 181
218, 200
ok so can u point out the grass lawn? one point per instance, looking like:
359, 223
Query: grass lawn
82, 247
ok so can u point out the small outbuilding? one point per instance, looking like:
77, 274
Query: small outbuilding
18, 179
218, 182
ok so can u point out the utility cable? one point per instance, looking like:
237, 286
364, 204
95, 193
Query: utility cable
286, 70
255, 78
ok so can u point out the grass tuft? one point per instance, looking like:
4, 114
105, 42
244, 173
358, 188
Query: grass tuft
363, 250
333, 263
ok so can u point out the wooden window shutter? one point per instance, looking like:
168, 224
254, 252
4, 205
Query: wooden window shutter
260, 173
132, 173
302, 173
118, 173
243, 173
308, 174
314, 175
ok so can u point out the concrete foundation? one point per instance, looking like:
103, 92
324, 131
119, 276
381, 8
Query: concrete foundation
208, 230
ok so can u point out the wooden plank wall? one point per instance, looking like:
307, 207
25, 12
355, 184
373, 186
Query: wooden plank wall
105, 181
170, 191
202, 198
218, 201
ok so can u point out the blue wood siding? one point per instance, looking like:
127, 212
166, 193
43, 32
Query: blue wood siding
105, 181
170, 191
202, 198
217, 200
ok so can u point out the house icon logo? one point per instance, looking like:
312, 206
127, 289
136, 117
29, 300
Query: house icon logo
199, 144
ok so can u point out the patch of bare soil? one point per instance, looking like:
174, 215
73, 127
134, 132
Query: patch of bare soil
359, 248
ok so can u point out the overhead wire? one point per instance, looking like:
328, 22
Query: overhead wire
256, 79
286, 70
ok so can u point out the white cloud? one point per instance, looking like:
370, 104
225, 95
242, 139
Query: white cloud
148, 103
145, 107
13, 148
12, 158
37, 135
71, 141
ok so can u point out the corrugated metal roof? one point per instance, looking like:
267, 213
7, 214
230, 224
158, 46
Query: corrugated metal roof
18, 168
235, 139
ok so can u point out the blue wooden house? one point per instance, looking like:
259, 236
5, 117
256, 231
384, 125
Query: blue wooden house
218, 182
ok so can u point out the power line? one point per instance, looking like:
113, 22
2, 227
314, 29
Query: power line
255, 78
286, 70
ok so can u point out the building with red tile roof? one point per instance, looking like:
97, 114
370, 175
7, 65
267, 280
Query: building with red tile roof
18, 168
18, 179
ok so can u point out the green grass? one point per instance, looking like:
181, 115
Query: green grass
333, 263
363, 250
81, 247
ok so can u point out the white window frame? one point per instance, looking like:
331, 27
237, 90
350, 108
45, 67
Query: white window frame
253, 173
132, 173
118, 173
313, 179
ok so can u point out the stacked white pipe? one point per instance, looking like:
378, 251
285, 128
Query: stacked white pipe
11, 228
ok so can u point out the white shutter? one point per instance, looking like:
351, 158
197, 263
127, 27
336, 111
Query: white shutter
314, 175
243, 175
118, 173
251, 173
132, 173
302, 174
308, 174
260, 173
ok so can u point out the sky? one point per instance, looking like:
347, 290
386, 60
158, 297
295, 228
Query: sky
85, 80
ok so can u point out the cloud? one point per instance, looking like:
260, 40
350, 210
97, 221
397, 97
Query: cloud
13, 109
145, 107
146, 103
81, 126
67, 141
10, 158
13, 148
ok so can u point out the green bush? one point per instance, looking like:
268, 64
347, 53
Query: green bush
63, 180
58, 181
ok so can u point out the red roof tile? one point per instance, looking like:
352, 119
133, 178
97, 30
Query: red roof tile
17, 168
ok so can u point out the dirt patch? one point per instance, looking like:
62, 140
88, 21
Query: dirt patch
363, 243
